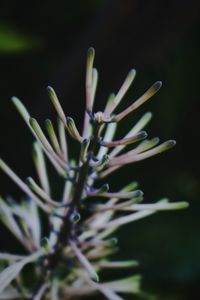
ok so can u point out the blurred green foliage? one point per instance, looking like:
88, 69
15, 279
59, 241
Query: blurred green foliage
12, 40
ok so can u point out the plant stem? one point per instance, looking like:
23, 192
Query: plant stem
65, 232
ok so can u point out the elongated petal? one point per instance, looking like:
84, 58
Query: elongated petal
36, 127
6, 216
9, 294
146, 145
108, 136
68, 186
72, 129
109, 102
126, 219
84, 149
97, 242
54, 290
84, 262
126, 205
119, 195
90, 87
21, 109
22, 185
130, 187
126, 141
87, 128
52, 136
89, 79
56, 103
41, 292
136, 128
101, 219
159, 149
11, 272
99, 252
106, 291
159, 206
59, 169
35, 187
142, 147
40, 165
9, 220
41, 137
29, 223
35, 224
94, 83
148, 94
127, 83
10, 257
117, 264
109, 171
62, 138
25, 115
126, 285
145, 119
102, 163
109, 293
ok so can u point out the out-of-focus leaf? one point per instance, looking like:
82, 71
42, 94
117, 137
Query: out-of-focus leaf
12, 40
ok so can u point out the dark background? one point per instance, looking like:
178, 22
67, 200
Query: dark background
45, 42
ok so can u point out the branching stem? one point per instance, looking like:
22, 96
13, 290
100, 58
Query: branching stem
66, 229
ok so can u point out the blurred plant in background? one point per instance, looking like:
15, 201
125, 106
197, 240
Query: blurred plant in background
69, 241
13, 41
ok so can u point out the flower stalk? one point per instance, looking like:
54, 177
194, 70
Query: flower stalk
68, 261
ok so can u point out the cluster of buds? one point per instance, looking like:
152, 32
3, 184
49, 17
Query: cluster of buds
67, 261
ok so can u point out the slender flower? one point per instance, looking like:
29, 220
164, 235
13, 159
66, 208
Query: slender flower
73, 131
81, 220
126, 141
52, 136
116, 99
56, 103
146, 96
